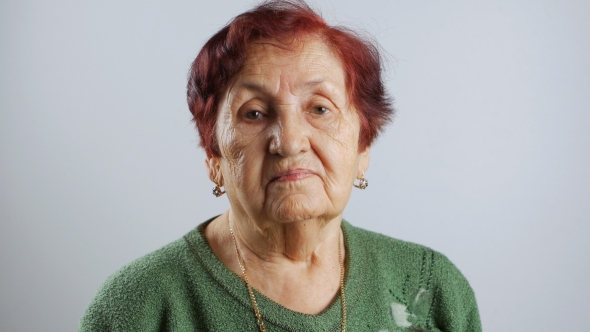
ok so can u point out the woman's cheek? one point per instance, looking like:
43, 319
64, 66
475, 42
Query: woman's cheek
235, 142
340, 140
228, 144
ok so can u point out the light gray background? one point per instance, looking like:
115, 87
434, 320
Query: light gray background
487, 161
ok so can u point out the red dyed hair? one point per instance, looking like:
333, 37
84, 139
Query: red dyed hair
224, 55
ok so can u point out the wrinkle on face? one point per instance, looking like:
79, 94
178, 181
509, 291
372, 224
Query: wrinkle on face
287, 85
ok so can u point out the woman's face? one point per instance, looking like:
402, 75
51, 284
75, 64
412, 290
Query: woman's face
288, 136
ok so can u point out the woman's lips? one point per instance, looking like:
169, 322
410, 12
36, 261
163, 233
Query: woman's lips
292, 175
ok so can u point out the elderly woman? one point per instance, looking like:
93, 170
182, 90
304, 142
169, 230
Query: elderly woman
287, 108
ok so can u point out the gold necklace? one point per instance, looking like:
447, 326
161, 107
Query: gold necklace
253, 299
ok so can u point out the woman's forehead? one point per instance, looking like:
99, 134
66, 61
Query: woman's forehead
287, 50
304, 63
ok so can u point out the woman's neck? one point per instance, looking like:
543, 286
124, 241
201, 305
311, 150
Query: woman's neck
296, 242
282, 259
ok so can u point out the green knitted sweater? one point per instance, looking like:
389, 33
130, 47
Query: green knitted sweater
390, 285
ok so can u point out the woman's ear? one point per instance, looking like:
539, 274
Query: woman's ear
214, 169
364, 158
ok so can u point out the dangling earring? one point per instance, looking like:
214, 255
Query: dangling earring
363, 183
217, 191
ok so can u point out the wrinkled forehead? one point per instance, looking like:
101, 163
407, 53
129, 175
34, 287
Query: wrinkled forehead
294, 60
306, 48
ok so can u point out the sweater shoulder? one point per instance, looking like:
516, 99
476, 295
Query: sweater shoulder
374, 240
412, 259
383, 247
149, 270
136, 295
391, 253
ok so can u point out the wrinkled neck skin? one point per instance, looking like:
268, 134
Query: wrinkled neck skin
305, 241
295, 264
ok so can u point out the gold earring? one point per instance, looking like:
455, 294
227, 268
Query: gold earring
363, 183
217, 191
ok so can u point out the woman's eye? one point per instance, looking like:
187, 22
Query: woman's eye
253, 115
319, 110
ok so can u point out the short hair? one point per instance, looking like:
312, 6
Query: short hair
224, 55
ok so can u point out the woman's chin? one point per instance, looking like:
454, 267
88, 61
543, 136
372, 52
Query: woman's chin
296, 208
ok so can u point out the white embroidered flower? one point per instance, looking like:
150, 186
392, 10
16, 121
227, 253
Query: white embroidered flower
417, 310
400, 314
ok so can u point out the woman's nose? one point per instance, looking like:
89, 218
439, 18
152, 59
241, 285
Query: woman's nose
290, 134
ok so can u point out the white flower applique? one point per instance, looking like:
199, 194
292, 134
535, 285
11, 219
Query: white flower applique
416, 311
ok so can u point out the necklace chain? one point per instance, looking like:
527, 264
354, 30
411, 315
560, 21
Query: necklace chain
259, 320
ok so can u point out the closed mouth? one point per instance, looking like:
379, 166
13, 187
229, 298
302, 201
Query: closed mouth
292, 175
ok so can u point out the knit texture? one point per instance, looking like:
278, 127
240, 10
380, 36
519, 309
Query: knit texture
185, 287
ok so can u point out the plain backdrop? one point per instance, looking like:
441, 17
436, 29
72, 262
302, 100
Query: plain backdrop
487, 160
